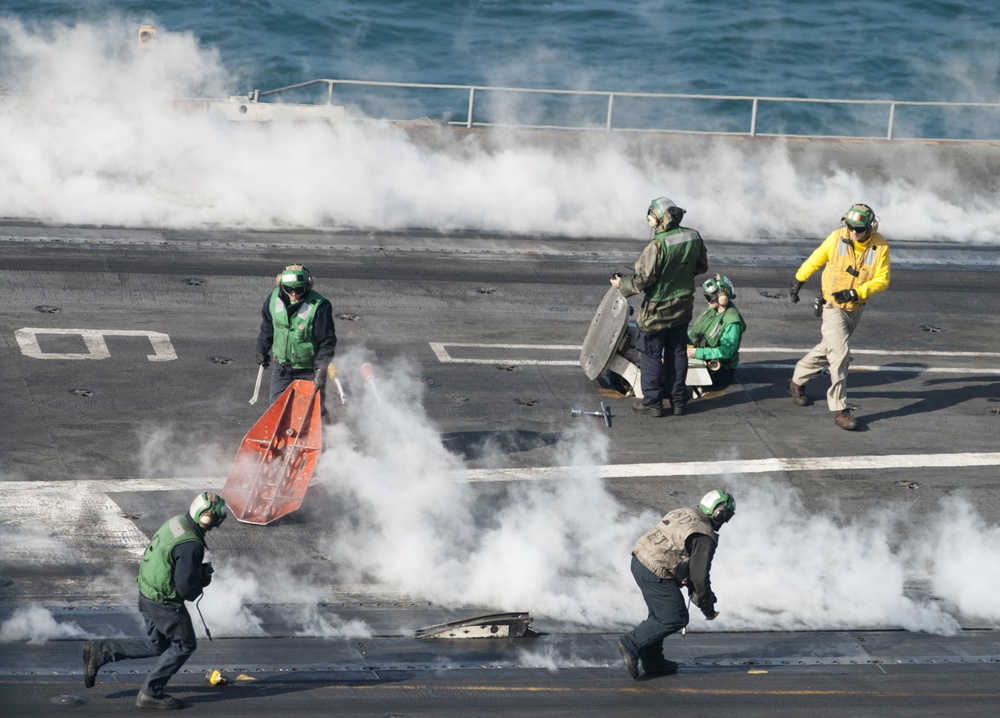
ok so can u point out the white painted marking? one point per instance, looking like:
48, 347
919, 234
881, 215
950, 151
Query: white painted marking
754, 466
877, 352
97, 348
14, 491
513, 353
872, 367
82, 522
508, 352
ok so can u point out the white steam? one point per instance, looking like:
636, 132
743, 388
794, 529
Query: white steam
560, 549
779, 567
556, 549
93, 135
36, 625
960, 551
397, 516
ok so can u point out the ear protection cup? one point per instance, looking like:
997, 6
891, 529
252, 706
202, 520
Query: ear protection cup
720, 289
873, 222
722, 514
210, 517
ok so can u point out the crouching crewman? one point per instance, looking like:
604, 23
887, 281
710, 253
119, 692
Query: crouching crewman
171, 572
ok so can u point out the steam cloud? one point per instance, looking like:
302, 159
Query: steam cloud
37, 625
92, 135
403, 520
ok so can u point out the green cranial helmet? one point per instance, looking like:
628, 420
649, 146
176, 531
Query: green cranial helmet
208, 510
718, 506
295, 275
859, 216
663, 211
717, 284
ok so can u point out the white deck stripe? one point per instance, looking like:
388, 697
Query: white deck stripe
114, 537
753, 466
10, 489
507, 354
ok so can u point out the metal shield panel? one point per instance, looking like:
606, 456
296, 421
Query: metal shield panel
606, 330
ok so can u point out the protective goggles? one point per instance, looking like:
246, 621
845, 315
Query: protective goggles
300, 289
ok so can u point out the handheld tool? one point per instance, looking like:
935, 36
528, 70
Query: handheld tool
207, 632
256, 388
368, 374
684, 631
605, 413
331, 372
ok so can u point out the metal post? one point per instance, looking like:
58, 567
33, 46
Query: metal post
892, 119
753, 118
611, 107
472, 106
329, 92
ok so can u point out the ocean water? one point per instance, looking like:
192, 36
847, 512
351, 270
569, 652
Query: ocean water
918, 50
91, 149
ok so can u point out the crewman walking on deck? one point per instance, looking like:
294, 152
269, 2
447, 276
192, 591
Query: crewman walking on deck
677, 552
665, 273
172, 571
857, 267
297, 328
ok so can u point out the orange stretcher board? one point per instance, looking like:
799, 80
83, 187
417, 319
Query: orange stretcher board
275, 462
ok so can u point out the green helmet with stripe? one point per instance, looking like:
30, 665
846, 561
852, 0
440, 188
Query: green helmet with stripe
663, 212
719, 506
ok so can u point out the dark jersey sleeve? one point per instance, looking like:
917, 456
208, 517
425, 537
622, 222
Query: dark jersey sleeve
325, 333
265, 337
187, 569
701, 549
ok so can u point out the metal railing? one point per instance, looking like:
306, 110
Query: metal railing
988, 129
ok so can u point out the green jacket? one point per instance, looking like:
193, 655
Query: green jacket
665, 273
294, 338
718, 336
156, 569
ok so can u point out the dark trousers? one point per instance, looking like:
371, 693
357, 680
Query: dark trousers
722, 378
169, 635
283, 376
663, 364
667, 614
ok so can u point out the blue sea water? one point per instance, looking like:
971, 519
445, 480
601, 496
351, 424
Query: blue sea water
917, 50
64, 160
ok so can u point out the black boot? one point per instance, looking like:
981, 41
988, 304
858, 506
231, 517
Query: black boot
162, 702
92, 662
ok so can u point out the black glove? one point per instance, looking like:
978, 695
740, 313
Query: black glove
793, 290
845, 295
206, 574
320, 377
264, 360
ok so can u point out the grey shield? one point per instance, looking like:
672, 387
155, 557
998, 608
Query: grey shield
605, 334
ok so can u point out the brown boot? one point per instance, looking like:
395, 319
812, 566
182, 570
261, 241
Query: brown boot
798, 393
845, 420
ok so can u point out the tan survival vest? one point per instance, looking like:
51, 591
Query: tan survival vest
662, 549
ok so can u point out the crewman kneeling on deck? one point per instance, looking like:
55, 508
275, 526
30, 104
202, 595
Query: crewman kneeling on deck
715, 336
